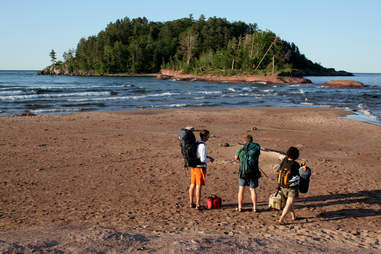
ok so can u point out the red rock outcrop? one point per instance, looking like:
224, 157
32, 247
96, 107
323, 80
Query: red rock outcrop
270, 79
343, 83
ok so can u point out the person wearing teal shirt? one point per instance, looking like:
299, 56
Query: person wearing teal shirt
252, 181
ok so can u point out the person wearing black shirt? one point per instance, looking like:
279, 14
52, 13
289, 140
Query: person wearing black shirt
290, 192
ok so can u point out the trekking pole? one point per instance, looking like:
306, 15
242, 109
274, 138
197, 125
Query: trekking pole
262, 172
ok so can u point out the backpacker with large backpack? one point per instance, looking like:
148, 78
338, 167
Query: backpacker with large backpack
301, 181
188, 146
249, 168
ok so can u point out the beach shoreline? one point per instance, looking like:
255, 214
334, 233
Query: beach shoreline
98, 179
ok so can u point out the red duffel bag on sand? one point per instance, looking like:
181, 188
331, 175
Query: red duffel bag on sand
214, 202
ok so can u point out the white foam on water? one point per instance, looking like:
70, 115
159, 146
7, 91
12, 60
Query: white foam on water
210, 92
44, 111
128, 97
10, 93
49, 96
366, 112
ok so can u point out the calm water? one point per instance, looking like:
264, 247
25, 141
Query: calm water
24, 91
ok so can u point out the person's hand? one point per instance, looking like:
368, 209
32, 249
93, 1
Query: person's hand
211, 159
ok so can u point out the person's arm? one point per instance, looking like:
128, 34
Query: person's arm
236, 156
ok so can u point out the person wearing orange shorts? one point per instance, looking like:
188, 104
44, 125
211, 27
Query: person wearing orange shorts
198, 174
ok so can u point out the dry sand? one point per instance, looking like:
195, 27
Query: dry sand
114, 183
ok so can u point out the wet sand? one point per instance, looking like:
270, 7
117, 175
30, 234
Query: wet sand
114, 182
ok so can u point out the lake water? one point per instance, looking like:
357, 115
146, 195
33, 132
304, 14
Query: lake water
24, 91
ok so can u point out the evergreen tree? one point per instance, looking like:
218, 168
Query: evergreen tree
53, 57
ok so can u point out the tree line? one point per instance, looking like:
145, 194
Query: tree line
212, 45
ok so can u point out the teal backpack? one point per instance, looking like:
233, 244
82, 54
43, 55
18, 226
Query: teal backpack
249, 161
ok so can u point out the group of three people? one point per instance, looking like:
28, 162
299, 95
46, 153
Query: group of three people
198, 176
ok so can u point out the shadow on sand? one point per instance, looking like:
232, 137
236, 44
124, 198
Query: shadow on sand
372, 197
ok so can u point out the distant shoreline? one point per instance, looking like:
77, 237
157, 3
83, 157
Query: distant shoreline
292, 78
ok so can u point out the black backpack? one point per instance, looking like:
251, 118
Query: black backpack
188, 146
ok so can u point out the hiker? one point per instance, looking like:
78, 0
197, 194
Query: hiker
288, 179
248, 175
198, 173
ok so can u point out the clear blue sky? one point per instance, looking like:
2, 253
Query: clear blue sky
342, 34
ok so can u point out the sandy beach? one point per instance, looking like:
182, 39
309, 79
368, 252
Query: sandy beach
114, 182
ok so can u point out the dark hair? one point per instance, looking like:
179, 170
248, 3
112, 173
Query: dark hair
204, 133
248, 138
293, 153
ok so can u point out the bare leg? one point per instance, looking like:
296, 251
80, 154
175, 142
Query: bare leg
292, 211
198, 195
287, 208
254, 198
191, 191
240, 197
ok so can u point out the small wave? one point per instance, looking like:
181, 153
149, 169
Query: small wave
211, 92
102, 105
176, 105
11, 93
74, 87
162, 94
243, 94
300, 91
37, 106
40, 96
116, 98
55, 110
140, 90
307, 100
366, 112
306, 103
374, 96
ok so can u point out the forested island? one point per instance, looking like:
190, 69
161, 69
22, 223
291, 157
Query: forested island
213, 46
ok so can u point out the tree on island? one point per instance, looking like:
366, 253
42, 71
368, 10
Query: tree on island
53, 57
212, 45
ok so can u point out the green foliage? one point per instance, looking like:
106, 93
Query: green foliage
53, 56
214, 46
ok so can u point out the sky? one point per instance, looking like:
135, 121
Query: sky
340, 34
